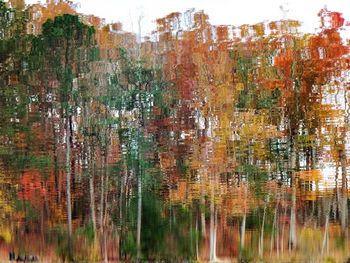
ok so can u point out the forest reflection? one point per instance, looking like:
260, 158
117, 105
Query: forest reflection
200, 143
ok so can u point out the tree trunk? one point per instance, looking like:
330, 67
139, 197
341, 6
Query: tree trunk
212, 257
139, 213
274, 229
242, 232
92, 198
328, 203
261, 240
68, 178
292, 230
106, 208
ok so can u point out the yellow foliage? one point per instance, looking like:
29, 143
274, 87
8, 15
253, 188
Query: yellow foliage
310, 240
239, 86
6, 235
312, 175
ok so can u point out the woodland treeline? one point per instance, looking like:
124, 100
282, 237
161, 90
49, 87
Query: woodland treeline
116, 148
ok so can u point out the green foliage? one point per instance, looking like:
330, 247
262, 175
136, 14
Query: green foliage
155, 228
252, 171
246, 255
159, 231
137, 86
244, 100
26, 207
266, 101
12, 29
64, 249
181, 166
61, 45
128, 245
13, 102
27, 161
67, 27
87, 231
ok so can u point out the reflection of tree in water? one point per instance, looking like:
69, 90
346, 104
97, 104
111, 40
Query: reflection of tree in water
205, 143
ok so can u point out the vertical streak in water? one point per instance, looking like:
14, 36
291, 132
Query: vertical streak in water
212, 256
292, 230
68, 175
139, 207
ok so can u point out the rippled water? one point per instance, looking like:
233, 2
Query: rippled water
186, 203
222, 144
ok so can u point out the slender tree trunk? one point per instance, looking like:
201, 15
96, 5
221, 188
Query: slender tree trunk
242, 232
139, 212
55, 160
326, 228
203, 225
102, 199
106, 208
197, 245
292, 230
344, 214
105, 246
212, 257
68, 141
102, 188
123, 204
283, 228
261, 240
68, 187
274, 229
90, 162
68, 178
92, 198
342, 160
344, 185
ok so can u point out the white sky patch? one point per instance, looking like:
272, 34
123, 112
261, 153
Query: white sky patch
233, 12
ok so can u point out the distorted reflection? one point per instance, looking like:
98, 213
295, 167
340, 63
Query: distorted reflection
203, 143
